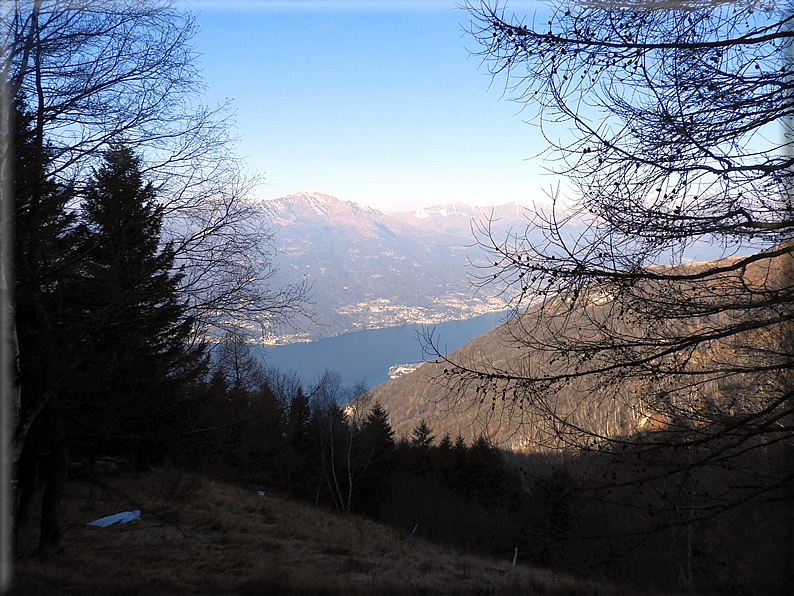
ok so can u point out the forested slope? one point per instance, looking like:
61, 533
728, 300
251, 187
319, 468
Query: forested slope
479, 403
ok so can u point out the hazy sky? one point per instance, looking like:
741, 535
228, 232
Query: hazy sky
376, 102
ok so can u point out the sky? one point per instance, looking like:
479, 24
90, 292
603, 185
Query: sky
377, 102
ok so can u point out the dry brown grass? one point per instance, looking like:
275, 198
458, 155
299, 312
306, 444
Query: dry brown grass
200, 537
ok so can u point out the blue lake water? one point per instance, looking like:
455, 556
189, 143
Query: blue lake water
367, 355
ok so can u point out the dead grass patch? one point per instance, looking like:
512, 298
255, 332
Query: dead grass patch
199, 537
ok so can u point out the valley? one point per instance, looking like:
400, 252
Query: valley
379, 384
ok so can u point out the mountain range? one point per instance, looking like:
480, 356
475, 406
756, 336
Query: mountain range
369, 269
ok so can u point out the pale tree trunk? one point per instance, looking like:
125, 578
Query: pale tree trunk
12, 432
10, 403
332, 477
14, 423
350, 480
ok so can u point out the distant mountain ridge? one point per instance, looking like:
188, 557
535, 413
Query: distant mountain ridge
457, 218
306, 205
370, 269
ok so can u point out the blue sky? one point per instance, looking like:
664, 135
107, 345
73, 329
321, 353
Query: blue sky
376, 102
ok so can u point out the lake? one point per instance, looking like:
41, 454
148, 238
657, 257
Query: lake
367, 355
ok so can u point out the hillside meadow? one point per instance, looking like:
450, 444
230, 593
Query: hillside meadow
197, 536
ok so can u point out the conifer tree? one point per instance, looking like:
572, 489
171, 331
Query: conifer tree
378, 450
446, 443
41, 249
86, 84
296, 460
445, 459
422, 436
206, 442
421, 443
376, 430
461, 463
136, 342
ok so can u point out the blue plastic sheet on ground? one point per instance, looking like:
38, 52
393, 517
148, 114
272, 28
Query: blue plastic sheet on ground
261, 493
121, 518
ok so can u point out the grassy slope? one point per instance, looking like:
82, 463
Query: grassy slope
201, 537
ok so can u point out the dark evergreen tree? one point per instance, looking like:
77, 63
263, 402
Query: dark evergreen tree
491, 482
403, 452
378, 449
206, 442
445, 460
377, 432
460, 465
44, 255
421, 443
138, 358
87, 84
446, 443
298, 418
422, 436
296, 461
258, 424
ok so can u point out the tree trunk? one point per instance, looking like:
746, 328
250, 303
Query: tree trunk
12, 429
53, 474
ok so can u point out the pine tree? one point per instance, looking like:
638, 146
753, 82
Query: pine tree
377, 441
297, 473
206, 442
43, 250
421, 444
139, 360
445, 444
378, 450
460, 466
445, 460
377, 431
490, 480
422, 436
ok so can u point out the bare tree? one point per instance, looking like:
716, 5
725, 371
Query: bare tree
238, 363
673, 127
339, 413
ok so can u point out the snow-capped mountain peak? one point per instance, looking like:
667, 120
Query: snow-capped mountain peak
310, 204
